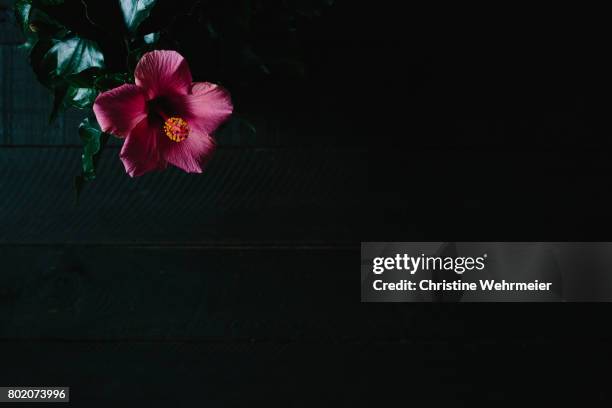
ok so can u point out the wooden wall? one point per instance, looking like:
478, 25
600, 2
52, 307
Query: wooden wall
240, 284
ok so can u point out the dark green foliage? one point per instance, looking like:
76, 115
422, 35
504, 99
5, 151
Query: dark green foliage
57, 61
79, 48
94, 141
69, 61
135, 11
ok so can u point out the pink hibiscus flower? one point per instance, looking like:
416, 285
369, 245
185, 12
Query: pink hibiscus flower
164, 117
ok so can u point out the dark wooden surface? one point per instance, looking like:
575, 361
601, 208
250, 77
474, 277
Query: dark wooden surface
239, 285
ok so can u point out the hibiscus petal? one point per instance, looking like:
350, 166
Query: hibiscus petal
140, 153
163, 73
119, 110
189, 155
206, 108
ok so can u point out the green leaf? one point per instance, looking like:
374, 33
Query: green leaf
59, 105
56, 60
35, 23
42, 25
22, 14
94, 141
108, 81
67, 96
86, 78
81, 98
77, 90
151, 39
135, 12
64, 62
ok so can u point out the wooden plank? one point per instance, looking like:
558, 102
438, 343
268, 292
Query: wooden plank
310, 195
114, 293
239, 294
491, 195
304, 375
257, 195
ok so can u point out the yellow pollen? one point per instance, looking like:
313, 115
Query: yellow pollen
176, 129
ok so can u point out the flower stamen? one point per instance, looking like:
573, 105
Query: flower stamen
177, 129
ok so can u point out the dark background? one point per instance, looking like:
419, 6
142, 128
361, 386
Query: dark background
241, 286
